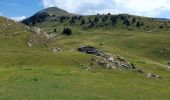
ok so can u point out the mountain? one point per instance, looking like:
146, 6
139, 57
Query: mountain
45, 14
163, 19
58, 17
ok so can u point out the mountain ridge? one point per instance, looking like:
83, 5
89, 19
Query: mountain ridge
57, 10
57, 16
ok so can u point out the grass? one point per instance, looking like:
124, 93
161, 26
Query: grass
37, 74
70, 83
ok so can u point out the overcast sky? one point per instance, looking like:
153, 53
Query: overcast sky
20, 9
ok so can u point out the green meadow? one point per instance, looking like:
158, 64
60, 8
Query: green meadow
36, 73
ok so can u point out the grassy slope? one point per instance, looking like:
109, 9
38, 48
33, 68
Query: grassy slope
35, 73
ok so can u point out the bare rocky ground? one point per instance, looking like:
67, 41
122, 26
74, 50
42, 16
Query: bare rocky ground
104, 60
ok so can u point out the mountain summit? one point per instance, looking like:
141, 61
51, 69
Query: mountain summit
45, 14
53, 10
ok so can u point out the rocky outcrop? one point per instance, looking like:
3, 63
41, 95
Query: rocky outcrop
104, 60
90, 50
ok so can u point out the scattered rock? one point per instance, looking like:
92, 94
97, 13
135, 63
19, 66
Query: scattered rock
37, 30
55, 49
151, 75
167, 49
161, 52
29, 44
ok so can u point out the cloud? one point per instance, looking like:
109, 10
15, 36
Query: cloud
18, 18
139, 7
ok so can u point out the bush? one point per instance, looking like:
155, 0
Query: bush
142, 23
161, 26
90, 20
138, 24
67, 31
126, 22
83, 22
96, 19
92, 24
72, 21
133, 20
114, 20
55, 30
62, 19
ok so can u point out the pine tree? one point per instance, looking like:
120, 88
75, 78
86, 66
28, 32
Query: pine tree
126, 22
133, 20
83, 22
138, 24
55, 30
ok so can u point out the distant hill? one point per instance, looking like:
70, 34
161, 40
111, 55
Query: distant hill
163, 19
57, 17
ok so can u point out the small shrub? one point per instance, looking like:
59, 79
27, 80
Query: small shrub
67, 31
138, 24
83, 22
161, 26
133, 20
96, 19
126, 22
35, 79
55, 30
72, 21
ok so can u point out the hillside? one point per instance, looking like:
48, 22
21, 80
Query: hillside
139, 34
55, 17
47, 63
12, 34
9, 26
